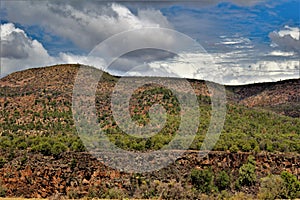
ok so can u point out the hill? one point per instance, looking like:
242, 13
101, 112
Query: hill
282, 97
37, 102
36, 121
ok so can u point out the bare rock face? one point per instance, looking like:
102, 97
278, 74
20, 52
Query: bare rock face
45, 176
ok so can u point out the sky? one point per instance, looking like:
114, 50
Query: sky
241, 41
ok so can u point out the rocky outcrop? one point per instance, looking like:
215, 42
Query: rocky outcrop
36, 176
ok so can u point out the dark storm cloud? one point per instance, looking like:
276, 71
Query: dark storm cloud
139, 57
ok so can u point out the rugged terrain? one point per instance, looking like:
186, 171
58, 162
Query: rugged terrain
80, 174
41, 153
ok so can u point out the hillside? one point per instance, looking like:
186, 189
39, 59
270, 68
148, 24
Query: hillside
282, 97
36, 123
38, 102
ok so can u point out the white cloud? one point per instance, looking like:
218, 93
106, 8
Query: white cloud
85, 25
224, 68
85, 60
281, 53
276, 66
287, 39
236, 40
220, 68
19, 52
294, 32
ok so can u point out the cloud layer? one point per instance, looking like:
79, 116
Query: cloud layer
287, 39
86, 25
226, 68
237, 58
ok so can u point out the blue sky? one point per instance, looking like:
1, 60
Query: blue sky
250, 41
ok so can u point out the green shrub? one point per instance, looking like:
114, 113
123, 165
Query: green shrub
247, 174
241, 196
78, 146
139, 146
58, 148
224, 194
148, 144
251, 160
2, 191
246, 147
2, 161
24, 160
292, 185
73, 163
237, 185
202, 180
171, 190
115, 193
73, 194
44, 148
270, 147
94, 192
272, 187
22, 145
234, 148
222, 180
11, 154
